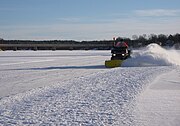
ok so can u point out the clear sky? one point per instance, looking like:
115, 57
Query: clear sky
87, 19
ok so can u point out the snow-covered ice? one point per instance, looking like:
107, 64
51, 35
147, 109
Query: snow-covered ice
24, 70
74, 88
159, 104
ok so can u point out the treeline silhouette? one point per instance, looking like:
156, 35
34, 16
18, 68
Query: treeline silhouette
135, 42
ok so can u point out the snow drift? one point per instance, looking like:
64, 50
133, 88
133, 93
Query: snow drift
103, 98
153, 55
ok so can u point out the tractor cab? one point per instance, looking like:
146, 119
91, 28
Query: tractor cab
120, 51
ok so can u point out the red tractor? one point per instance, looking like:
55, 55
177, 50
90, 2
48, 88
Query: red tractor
120, 50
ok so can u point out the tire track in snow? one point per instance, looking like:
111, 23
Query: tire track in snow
25, 62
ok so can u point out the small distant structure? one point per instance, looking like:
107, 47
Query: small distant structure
169, 43
177, 45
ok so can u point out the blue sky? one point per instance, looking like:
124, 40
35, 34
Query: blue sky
87, 19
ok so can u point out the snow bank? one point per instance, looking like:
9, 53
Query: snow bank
105, 98
153, 55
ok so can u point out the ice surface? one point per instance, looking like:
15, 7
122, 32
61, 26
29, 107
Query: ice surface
74, 88
24, 70
159, 104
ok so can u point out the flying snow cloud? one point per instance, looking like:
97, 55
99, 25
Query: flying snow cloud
153, 55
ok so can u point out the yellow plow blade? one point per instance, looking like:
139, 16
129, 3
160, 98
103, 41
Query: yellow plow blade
113, 63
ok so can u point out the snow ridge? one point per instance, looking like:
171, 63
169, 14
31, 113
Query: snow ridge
105, 98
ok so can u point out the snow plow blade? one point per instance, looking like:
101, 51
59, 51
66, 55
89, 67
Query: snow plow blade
113, 63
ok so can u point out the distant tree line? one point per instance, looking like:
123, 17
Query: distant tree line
54, 42
161, 39
136, 41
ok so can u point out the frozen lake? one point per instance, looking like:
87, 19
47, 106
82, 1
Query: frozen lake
75, 88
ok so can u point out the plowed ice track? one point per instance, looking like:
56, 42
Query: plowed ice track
74, 88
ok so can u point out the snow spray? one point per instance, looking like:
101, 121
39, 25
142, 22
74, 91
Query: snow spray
153, 55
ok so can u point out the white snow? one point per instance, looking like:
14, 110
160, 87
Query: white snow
74, 88
153, 55
24, 70
159, 104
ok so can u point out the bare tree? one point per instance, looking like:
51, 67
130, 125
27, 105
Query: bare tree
134, 37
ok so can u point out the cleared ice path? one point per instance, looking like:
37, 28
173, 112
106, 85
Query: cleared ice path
159, 104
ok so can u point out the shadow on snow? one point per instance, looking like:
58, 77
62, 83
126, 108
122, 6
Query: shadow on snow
61, 68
